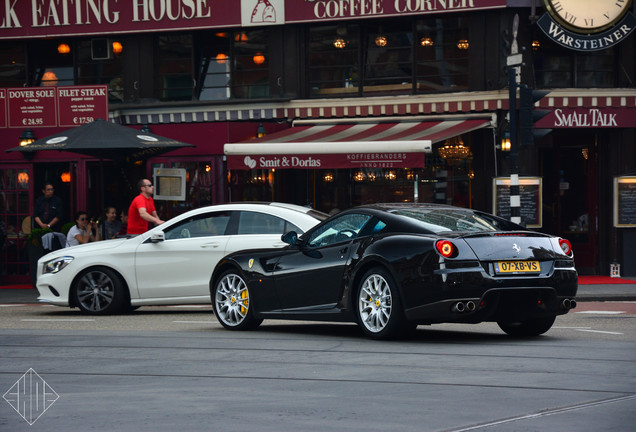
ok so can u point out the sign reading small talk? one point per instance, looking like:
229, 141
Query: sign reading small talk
587, 25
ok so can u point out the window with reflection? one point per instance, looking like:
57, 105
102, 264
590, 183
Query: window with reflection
334, 60
107, 70
213, 65
556, 66
442, 47
251, 59
13, 71
398, 56
174, 66
51, 63
388, 58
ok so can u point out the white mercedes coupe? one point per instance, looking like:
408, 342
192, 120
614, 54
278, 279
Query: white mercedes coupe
170, 264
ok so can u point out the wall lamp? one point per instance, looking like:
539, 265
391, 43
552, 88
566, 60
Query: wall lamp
260, 131
27, 137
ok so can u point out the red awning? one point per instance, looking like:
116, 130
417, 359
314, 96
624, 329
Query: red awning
351, 145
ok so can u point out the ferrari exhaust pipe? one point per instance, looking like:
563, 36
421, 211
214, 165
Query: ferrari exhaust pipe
461, 307
458, 307
568, 304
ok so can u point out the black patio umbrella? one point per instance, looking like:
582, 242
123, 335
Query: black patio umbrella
105, 140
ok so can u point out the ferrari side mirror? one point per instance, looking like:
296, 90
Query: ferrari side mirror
290, 237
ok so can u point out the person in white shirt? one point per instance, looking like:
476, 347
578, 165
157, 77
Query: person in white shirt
82, 231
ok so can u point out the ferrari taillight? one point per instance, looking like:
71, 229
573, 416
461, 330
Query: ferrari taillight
445, 248
566, 246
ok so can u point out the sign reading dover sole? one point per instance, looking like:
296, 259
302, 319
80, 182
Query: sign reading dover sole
66, 106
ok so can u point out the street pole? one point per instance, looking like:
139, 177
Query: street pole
514, 72
515, 198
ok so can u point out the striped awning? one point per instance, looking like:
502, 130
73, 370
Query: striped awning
350, 145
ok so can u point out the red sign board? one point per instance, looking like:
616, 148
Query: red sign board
3, 108
588, 118
78, 105
29, 107
327, 161
48, 18
328, 10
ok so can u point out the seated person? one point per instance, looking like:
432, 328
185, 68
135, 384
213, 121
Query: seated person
82, 232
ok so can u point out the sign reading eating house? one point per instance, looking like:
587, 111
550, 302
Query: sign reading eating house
40, 18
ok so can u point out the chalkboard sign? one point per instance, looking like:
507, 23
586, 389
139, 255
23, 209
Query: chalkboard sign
530, 190
625, 202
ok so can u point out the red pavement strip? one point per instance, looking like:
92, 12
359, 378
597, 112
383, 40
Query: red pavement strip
603, 280
21, 286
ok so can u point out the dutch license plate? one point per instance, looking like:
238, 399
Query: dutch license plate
517, 267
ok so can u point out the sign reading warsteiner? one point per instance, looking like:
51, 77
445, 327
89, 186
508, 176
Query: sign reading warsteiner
40, 18
54, 106
327, 161
588, 118
584, 42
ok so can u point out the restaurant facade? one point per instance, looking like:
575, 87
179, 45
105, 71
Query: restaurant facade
329, 104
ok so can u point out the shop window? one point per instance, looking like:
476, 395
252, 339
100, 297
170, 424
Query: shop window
108, 69
442, 47
51, 63
556, 66
388, 58
16, 223
12, 64
213, 64
204, 182
174, 66
334, 60
251, 60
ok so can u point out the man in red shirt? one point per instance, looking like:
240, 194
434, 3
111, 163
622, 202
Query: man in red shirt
142, 209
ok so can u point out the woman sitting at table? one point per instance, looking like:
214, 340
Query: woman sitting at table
82, 231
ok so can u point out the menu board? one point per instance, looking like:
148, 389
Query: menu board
530, 191
65, 106
625, 202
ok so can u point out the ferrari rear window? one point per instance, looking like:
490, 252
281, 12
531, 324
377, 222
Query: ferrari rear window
439, 221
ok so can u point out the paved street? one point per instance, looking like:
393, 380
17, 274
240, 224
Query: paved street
169, 368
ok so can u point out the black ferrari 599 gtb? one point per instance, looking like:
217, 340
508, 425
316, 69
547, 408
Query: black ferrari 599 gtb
391, 267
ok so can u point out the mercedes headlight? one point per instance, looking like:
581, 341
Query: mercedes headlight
57, 264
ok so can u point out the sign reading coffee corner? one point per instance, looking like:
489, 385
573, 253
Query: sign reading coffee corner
51, 18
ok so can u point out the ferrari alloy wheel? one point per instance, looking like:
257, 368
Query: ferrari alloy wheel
99, 291
231, 303
530, 327
379, 311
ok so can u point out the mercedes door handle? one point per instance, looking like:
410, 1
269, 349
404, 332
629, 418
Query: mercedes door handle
210, 245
